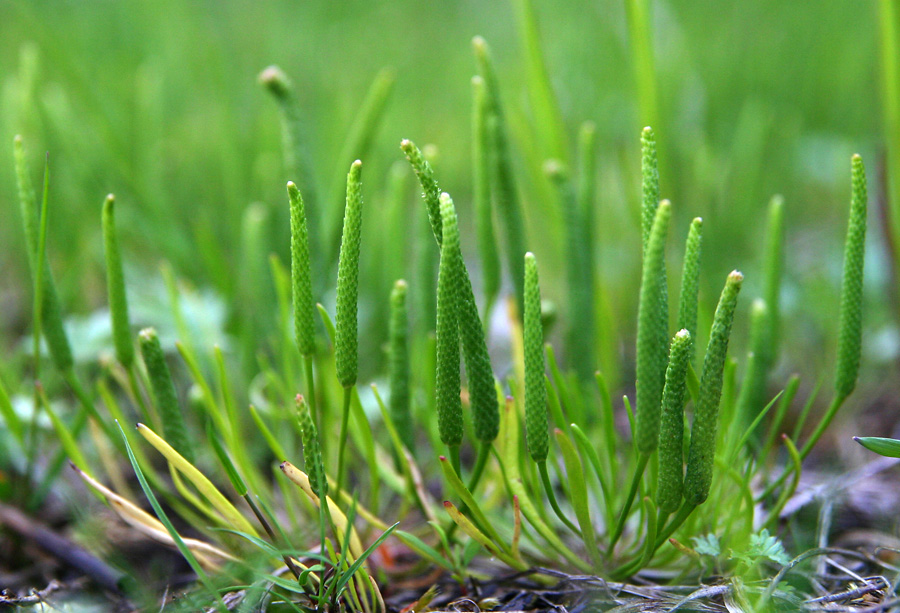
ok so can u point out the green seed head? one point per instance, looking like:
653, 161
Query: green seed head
447, 383
690, 280
164, 393
652, 337
482, 393
649, 182
485, 411
850, 334
536, 433
431, 191
301, 275
671, 440
346, 341
276, 81
312, 452
115, 283
701, 456
399, 365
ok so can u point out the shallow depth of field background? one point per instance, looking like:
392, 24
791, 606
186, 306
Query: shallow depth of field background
159, 103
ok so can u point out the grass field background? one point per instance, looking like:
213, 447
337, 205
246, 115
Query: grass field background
159, 103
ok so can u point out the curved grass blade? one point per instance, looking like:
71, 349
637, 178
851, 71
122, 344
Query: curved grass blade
198, 479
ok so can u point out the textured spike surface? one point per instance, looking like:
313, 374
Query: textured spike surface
346, 340
301, 275
850, 335
671, 439
447, 383
536, 433
164, 393
701, 456
312, 452
399, 365
652, 340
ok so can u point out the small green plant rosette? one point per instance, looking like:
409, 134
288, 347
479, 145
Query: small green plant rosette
652, 336
399, 365
671, 440
701, 456
537, 436
164, 393
447, 382
301, 275
346, 340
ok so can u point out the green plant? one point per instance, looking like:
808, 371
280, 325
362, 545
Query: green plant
573, 472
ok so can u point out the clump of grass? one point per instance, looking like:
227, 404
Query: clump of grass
571, 474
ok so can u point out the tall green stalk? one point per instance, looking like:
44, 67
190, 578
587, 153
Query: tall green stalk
846, 370
174, 427
537, 436
671, 440
580, 331
399, 367
701, 456
889, 31
485, 409
346, 342
51, 312
506, 194
449, 406
548, 121
690, 281
652, 336
586, 200
304, 309
481, 195
637, 13
115, 285
295, 140
652, 355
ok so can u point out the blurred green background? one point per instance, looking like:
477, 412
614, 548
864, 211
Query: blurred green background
159, 103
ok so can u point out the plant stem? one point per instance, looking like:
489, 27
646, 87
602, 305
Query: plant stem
453, 454
138, 397
318, 417
662, 536
548, 488
484, 451
635, 482
265, 524
807, 447
342, 440
890, 81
